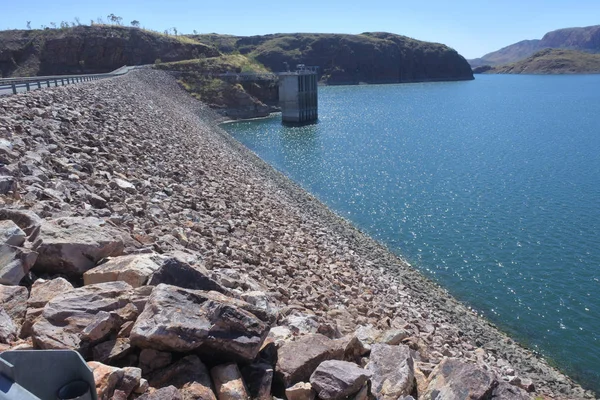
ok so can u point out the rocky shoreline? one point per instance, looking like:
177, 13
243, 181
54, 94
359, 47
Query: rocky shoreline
180, 265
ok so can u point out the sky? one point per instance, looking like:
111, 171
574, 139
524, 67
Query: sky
473, 28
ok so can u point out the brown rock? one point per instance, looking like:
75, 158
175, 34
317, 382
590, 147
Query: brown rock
229, 384
189, 375
181, 320
298, 359
106, 378
506, 391
300, 391
8, 330
133, 269
456, 379
14, 301
151, 360
66, 316
393, 371
42, 291
74, 245
169, 392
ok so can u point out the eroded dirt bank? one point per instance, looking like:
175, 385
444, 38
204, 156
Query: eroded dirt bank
143, 156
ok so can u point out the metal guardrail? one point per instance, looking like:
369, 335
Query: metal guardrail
11, 85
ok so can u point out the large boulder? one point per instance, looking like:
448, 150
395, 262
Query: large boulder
297, 360
334, 379
75, 319
15, 263
42, 291
393, 371
74, 245
189, 375
173, 271
184, 320
134, 269
454, 379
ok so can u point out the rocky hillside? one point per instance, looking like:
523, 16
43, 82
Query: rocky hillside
550, 61
351, 59
183, 267
585, 39
90, 49
233, 98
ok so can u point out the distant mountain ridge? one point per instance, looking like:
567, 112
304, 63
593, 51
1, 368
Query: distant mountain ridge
371, 57
549, 61
584, 39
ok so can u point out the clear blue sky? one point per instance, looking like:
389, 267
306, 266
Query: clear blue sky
473, 28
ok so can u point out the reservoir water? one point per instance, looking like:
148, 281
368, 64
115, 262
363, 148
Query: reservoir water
490, 187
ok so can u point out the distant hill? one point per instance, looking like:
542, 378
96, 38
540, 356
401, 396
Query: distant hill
90, 49
550, 61
350, 59
585, 39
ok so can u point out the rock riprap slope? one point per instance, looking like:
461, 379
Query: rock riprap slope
183, 267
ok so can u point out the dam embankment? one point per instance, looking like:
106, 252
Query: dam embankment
140, 154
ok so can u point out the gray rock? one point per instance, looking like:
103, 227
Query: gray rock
393, 336
108, 352
297, 360
27, 220
334, 379
42, 291
262, 301
14, 301
506, 391
8, 330
229, 384
393, 371
66, 316
7, 184
15, 263
133, 269
177, 319
169, 392
175, 272
189, 375
74, 245
124, 185
11, 234
455, 379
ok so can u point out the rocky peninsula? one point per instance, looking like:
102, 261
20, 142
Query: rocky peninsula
181, 266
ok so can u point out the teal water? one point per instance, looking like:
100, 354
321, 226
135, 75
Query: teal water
491, 187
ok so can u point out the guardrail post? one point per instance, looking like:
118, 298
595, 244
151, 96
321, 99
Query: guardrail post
55, 82
14, 88
48, 83
39, 84
27, 86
